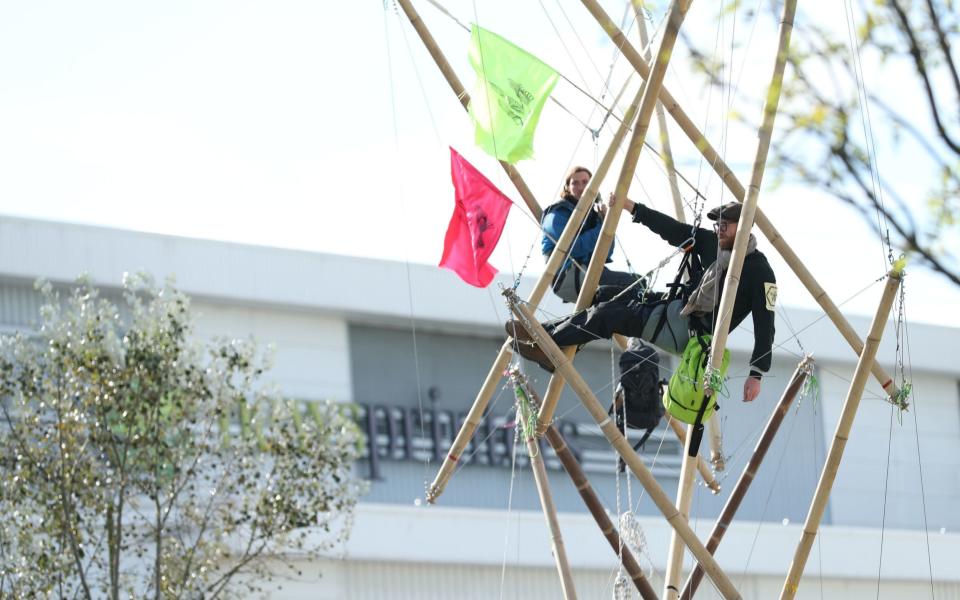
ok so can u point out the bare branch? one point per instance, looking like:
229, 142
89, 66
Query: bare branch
921, 68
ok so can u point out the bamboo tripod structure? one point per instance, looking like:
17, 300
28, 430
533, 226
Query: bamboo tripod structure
726, 175
842, 434
739, 491
622, 446
736, 188
524, 415
731, 286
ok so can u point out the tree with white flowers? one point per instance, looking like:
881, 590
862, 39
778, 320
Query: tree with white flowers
136, 462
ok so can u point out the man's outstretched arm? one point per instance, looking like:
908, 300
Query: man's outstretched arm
672, 231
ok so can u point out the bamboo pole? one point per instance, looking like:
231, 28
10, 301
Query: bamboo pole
739, 491
686, 471
671, 578
470, 424
475, 415
525, 412
732, 281
745, 225
592, 501
705, 473
622, 446
736, 188
842, 434
448, 73
661, 119
550, 513
650, 91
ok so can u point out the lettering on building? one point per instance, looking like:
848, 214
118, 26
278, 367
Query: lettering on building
397, 433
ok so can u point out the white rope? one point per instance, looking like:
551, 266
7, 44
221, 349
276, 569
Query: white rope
506, 534
916, 431
866, 123
406, 213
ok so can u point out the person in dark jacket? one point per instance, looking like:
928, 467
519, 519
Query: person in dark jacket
570, 276
670, 324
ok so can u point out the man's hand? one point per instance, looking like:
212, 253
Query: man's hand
628, 204
751, 389
601, 209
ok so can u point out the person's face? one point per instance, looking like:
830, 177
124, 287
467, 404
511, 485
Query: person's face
578, 183
726, 232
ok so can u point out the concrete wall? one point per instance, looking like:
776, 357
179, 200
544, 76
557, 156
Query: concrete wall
431, 552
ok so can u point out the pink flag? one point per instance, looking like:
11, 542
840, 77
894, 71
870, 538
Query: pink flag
477, 222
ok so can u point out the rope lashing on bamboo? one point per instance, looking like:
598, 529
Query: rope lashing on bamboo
811, 387
902, 398
527, 419
714, 380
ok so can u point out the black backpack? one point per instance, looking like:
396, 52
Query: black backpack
641, 388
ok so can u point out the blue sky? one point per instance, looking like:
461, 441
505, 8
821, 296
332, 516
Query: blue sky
325, 126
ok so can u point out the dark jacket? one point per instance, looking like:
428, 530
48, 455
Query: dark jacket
555, 219
756, 294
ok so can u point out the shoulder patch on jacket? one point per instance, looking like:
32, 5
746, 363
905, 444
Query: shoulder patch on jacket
770, 294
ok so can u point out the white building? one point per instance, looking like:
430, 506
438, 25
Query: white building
412, 345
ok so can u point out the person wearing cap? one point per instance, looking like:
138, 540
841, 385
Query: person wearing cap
670, 324
570, 276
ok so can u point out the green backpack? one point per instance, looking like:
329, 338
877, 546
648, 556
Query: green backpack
684, 398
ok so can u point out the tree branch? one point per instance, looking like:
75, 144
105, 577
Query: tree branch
944, 46
921, 67
64, 496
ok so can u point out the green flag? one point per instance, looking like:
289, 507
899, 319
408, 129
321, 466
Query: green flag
511, 87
